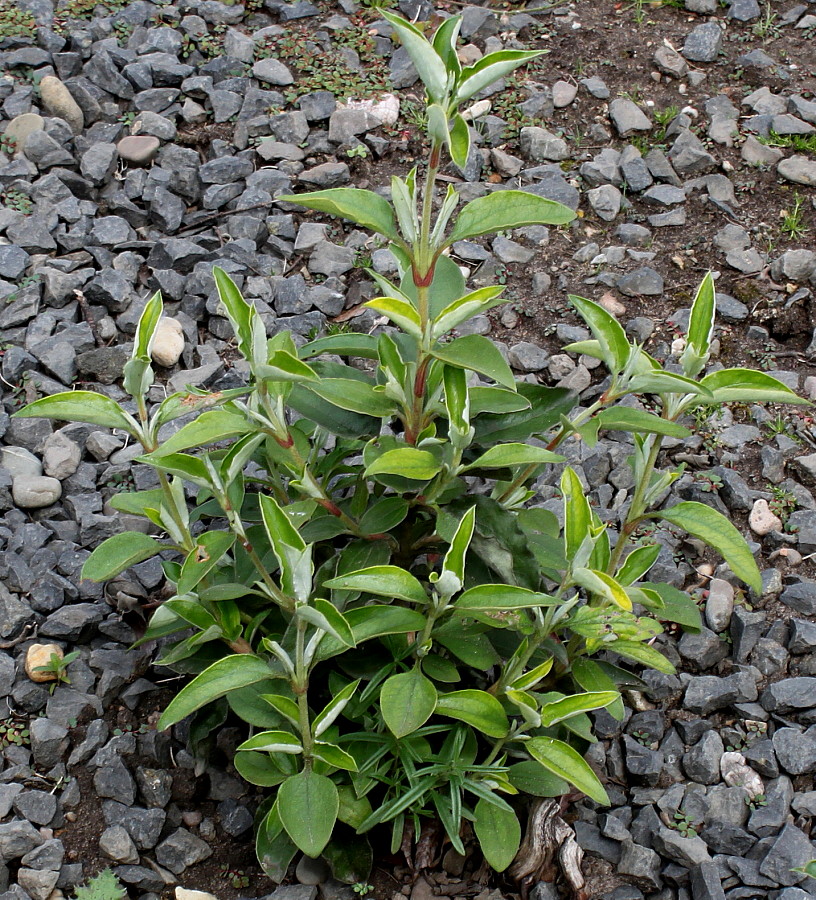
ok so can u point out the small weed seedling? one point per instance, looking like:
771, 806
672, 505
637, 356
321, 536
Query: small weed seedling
684, 824
58, 667
103, 886
13, 731
360, 151
793, 224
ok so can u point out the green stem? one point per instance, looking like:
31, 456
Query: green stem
301, 689
636, 506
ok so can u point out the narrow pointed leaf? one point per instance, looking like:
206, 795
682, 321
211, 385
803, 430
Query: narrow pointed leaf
80, 406
624, 418
604, 585
748, 385
399, 312
504, 210
459, 141
428, 63
643, 654
701, 328
504, 455
273, 742
366, 208
228, 674
714, 529
489, 69
119, 552
465, 308
565, 762
559, 710
384, 581
577, 517
498, 597
607, 330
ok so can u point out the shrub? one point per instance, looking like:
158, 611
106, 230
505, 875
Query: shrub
366, 577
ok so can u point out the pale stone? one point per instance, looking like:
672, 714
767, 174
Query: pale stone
563, 93
736, 773
40, 655
168, 343
186, 894
57, 100
720, 604
20, 127
762, 521
61, 456
19, 461
385, 109
138, 149
35, 491
612, 305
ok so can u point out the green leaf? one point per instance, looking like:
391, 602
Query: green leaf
347, 344
80, 406
490, 68
499, 597
504, 210
658, 381
637, 564
273, 742
701, 328
678, 607
468, 643
603, 585
308, 805
327, 618
577, 516
559, 710
444, 43
366, 208
249, 331
355, 396
119, 552
137, 373
409, 462
407, 701
714, 529
748, 386
563, 761
228, 674
369, 622
592, 677
477, 708
350, 857
624, 418
135, 502
257, 769
384, 581
399, 312
334, 756
273, 846
283, 705
479, 354
183, 464
384, 515
333, 708
495, 400
453, 566
607, 331
465, 308
499, 834
428, 63
503, 455
330, 416
459, 141
643, 654
545, 407
448, 285
210, 548
282, 365
532, 778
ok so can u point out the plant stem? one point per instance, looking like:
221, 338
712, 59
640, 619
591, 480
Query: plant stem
636, 506
301, 689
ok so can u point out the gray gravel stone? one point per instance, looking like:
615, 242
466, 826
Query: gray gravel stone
181, 850
641, 865
627, 117
646, 282
798, 169
795, 751
790, 850
801, 597
704, 43
685, 851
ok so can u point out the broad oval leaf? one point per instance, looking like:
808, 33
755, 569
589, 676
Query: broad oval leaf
477, 708
119, 552
407, 702
459, 141
228, 674
714, 529
80, 406
479, 354
307, 805
499, 833
210, 548
565, 762
504, 210
410, 462
428, 63
532, 778
354, 396
363, 207
644, 654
